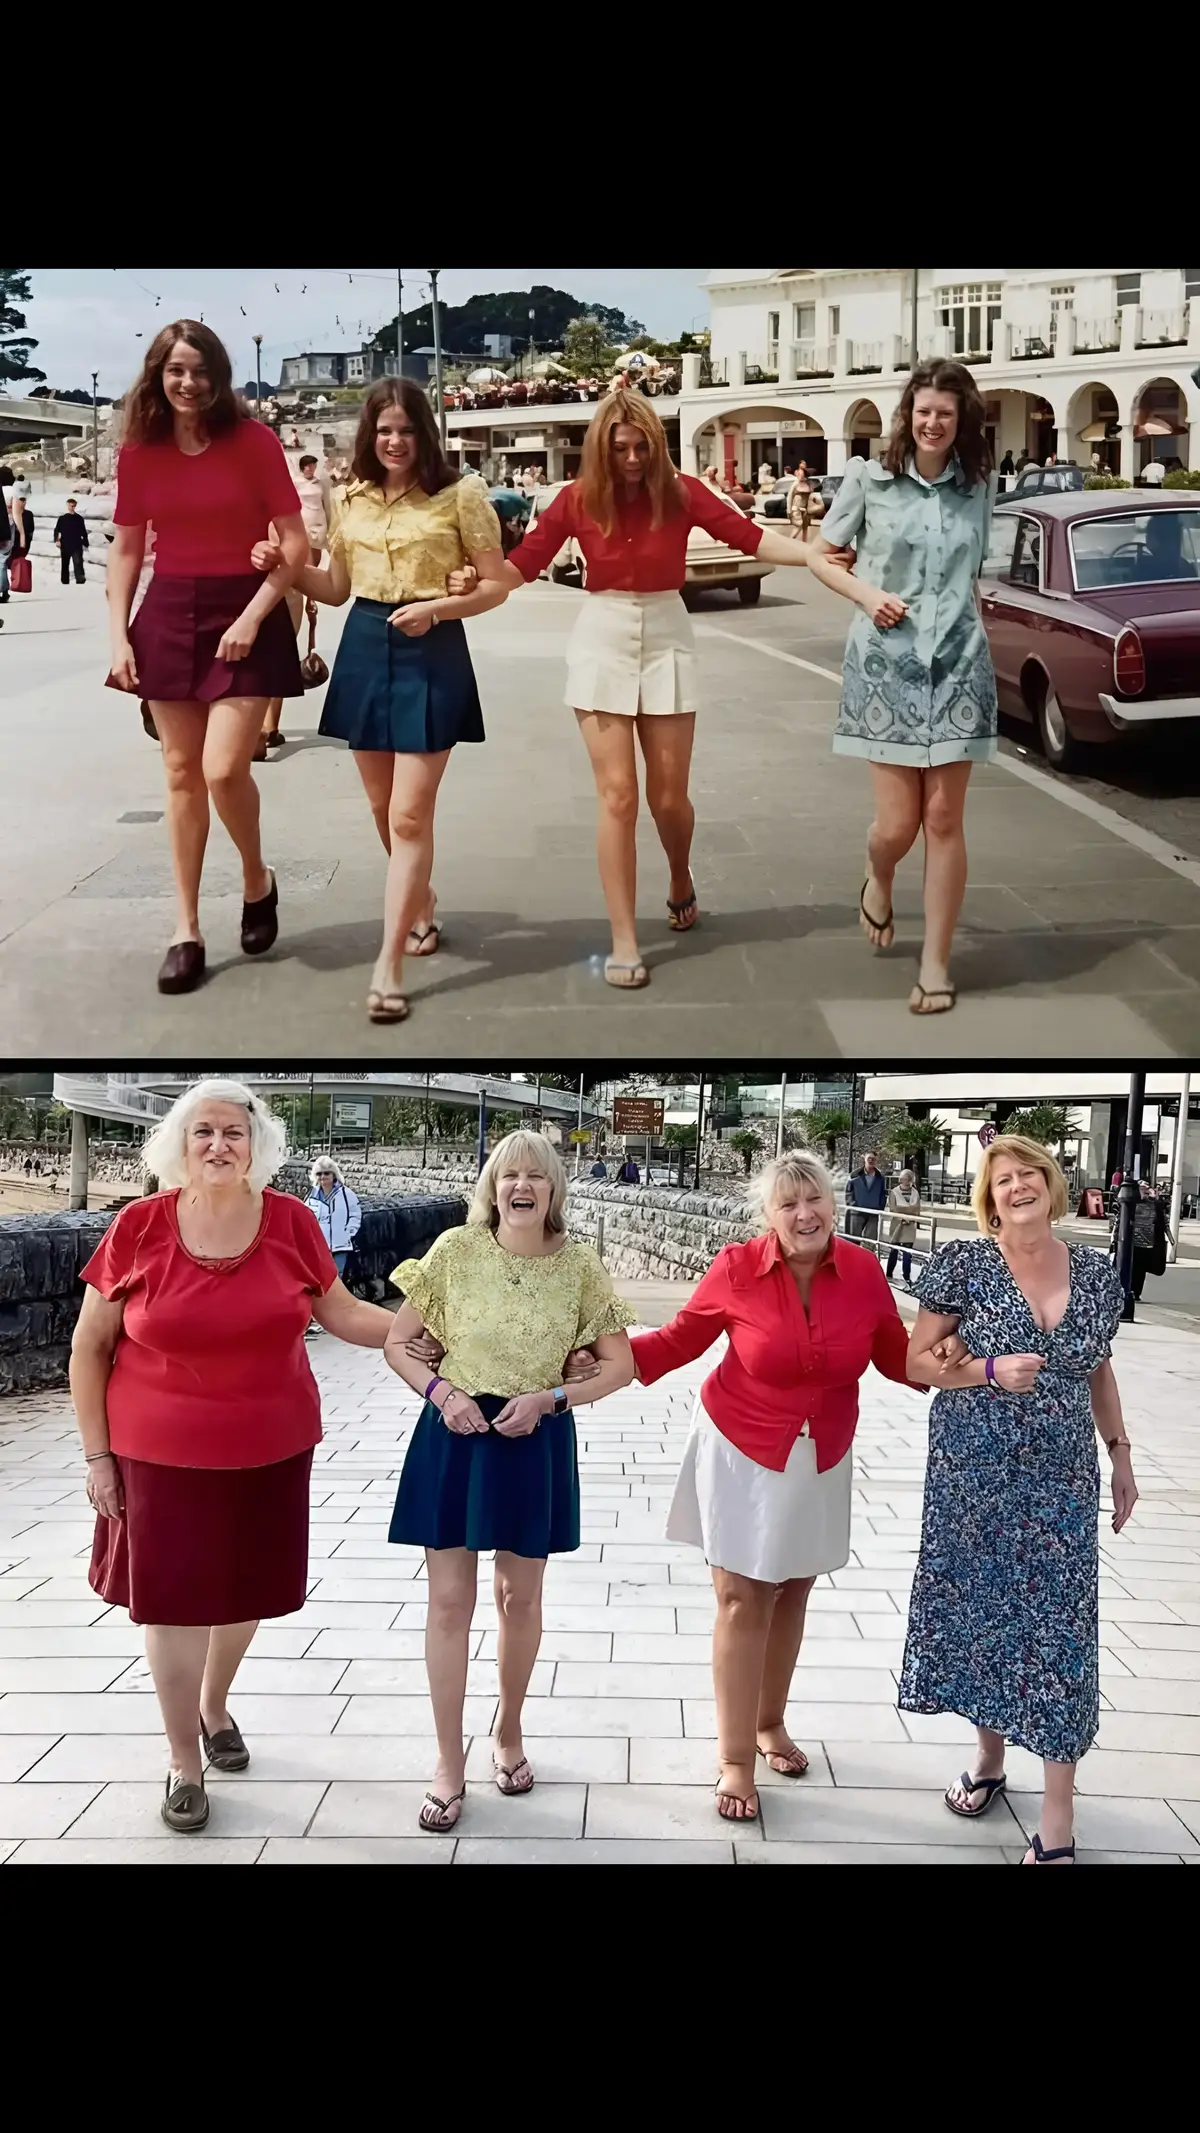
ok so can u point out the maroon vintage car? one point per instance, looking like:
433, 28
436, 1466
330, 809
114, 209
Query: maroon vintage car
1091, 604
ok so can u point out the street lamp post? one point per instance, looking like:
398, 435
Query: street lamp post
699, 1133
437, 357
95, 430
1130, 1193
399, 322
1177, 1159
782, 1106
482, 1129
912, 338
258, 375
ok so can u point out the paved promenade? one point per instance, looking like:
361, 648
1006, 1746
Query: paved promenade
1081, 933
620, 1722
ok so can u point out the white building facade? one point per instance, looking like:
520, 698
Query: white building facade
809, 363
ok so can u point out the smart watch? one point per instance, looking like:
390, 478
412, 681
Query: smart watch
561, 1400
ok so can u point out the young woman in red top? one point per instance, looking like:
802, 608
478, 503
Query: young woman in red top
199, 1412
210, 644
631, 658
764, 1487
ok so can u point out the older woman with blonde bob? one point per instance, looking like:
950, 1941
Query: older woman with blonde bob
764, 1488
492, 1461
199, 1412
1003, 1623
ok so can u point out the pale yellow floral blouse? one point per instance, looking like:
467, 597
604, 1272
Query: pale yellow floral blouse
406, 549
508, 1324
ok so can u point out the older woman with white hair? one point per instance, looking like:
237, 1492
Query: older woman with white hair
336, 1207
764, 1488
492, 1462
199, 1412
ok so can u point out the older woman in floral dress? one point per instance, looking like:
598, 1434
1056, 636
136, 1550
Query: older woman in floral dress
1003, 1622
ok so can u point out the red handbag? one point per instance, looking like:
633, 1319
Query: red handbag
20, 574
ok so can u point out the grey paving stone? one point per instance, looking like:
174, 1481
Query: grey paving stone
555, 1760
926, 1766
201, 1849
42, 1810
774, 1853
383, 1810
357, 1851
811, 1721
379, 1715
876, 1816
694, 1762
20, 1752
128, 1809
642, 1811
586, 1851
1127, 1825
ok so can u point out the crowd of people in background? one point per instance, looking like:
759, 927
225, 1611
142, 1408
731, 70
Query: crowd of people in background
648, 377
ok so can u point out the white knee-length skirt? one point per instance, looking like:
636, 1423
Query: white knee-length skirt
631, 652
753, 1521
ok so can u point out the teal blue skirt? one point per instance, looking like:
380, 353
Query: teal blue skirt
516, 1493
401, 695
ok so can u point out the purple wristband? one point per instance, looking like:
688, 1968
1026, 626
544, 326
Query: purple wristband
989, 1370
429, 1388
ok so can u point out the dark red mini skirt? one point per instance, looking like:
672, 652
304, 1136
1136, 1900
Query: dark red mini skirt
178, 628
202, 1545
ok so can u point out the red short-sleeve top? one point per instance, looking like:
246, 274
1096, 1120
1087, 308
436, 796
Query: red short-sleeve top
208, 508
636, 556
210, 1368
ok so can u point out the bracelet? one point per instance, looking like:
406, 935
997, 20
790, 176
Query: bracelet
91, 1457
989, 1370
433, 1383
1111, 1444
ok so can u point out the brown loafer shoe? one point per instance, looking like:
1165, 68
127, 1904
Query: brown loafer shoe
260, 921
182, 967
225, 1750
185, 1807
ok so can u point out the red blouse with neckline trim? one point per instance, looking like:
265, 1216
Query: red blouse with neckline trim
784, 1367
210, 1368
636, 556
208, 508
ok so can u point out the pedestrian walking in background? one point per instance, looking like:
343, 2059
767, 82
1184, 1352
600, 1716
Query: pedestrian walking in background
764, 1489
631, 664
1150, 1236
403, 693
799, 502
866, 1197
70, 539
199, 1413
492, 1463
211, 643
7, 529
337, 1209
1003, 1626
918, 690
904, 1205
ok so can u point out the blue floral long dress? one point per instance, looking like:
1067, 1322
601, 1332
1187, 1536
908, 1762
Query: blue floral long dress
1003, 1620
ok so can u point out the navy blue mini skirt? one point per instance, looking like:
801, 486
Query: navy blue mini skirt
403, 695
518, 1493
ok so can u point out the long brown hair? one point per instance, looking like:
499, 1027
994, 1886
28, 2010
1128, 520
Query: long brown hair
147, 416
596, 474
970, 444
434, 470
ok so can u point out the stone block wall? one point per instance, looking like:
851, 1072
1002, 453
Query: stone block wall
653, 1233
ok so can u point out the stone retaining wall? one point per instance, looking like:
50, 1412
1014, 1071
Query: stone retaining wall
655, 1234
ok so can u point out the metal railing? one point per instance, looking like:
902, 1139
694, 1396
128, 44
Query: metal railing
813, 359
1161, 329
862, 356
1093, 335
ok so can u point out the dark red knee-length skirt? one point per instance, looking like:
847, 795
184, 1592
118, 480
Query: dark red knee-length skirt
204, 1545
176, 632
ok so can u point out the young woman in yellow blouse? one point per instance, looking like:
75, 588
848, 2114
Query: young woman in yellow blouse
492, 1462
402, 691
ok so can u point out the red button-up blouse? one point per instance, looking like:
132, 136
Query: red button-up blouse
635, 556
784, 1366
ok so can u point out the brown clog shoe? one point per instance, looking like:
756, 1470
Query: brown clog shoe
260, 921
182, 967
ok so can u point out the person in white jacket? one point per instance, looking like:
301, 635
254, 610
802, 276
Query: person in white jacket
336, 1208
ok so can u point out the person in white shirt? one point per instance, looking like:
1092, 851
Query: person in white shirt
1153, 473
313, 490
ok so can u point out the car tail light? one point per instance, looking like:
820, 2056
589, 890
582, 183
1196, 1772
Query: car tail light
1129, 664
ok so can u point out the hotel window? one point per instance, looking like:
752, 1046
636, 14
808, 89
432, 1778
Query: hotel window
835, 321
772, 335
1129, 289
1062, 298
806, 321
1191, 285
970, 311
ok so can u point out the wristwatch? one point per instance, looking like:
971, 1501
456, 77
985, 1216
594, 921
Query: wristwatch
561, 1401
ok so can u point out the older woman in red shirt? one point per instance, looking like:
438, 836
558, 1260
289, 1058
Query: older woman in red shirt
199, 1412
631, 659
764, 1488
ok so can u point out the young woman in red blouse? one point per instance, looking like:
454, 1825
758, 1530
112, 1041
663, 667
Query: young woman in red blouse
210, 644
764, 1488
631, 659
199, 1412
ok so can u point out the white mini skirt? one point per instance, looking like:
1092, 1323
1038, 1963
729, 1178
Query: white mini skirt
631, 652
755, 1522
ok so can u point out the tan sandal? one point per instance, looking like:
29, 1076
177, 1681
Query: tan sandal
638, 976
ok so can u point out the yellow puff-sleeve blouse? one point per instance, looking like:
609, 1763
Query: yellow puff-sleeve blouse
405, 549
507, 1323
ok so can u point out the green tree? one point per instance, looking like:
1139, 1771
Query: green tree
914, 1140
748, 1146
553, 1079
681, 1137
465, 326
401, 1119
15, 346
1049, 1124
586, 348
826, 1128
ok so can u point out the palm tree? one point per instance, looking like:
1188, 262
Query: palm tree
914, 1140
1051, 1124
827, 1128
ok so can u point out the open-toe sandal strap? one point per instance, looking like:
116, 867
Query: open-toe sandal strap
1042, 1857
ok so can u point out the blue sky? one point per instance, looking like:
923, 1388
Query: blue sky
89, 318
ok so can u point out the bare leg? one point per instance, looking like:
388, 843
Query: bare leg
609, 742
234, 726
181, 731
893, 833
176, 1657
408, 893
1058, 1811
228, 1643
667, 748
518, 1590
744, 1609
274, 715
784, 1639
453, 1582
944, 798
376, 768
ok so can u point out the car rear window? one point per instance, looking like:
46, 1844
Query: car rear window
1135, 548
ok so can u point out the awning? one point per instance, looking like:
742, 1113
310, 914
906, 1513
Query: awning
1157, 426
1097, 432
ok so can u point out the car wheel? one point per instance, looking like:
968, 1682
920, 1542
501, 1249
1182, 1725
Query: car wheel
749, 590
1061, 751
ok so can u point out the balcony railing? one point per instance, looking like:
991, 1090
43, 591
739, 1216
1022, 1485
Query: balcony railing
862, 356
761, 370
1033, 343
1161, 329
1093, 335
813, 359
